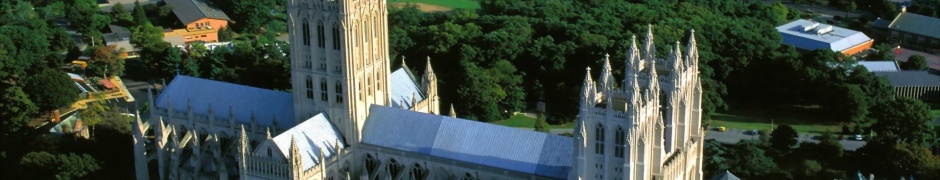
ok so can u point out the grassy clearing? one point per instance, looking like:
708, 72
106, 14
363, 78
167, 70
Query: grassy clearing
462, 4
761, 121
522, 121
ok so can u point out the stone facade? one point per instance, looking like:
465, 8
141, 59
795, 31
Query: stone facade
650, 128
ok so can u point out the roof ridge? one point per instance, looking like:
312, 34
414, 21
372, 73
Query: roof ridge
199, 8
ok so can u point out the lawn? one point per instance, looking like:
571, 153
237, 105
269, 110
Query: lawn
762, 121
463, 4
522, 121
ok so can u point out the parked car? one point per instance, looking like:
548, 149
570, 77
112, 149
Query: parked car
722, 128
751, 132
858, 137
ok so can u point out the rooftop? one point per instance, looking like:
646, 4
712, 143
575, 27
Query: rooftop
879, 66
244, 101
469, 141
917, 24
809, 35
191, 10
313, 136
911, 78
402, 87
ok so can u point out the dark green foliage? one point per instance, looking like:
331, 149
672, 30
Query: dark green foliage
140, 15
915, 62
43, 165
783, 138
926, 7
249, 15
225, 34
902, 120
751, 162
121, 15
15, 110
51, 89
541, 125
84, 16
714, 160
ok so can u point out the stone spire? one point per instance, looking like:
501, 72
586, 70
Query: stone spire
653, 85
649, 45
453, 113
676, 59
267, 133
587, 89
606, 78
296, 163
692, 58
632, 66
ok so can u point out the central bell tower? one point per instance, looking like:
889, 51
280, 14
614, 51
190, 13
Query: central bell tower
339, 60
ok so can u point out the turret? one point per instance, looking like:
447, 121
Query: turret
243, 151
296, 163
678, 64
606, 78
587, 90
632, 66
429, 86
453, 113
692, 58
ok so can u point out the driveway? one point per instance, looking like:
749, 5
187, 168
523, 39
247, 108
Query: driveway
733, 136
933, 61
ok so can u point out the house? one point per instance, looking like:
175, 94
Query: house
120, 39
922, 85
915, 31
808, 35
71, 125
201, 18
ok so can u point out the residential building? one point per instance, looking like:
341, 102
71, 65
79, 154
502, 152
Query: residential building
809, 35
201, 18
120, 39
923, 85
915, 31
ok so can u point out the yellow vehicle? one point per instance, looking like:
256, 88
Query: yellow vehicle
79, 63
722, 128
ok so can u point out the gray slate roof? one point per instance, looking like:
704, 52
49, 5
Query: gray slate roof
726, 176
910, 78
469, 141
314, 136
879, 66
917, 24
243, 100
191, 10
402, 87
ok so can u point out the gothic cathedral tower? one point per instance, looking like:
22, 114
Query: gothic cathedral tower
339, 60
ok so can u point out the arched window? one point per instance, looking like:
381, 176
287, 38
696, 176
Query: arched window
321, 35
599, 139
394, 168
336, 38
369, 86
371, 164
323, 89
619, 149
468, 176
339, 92
367, 28
306, 32
309, 87
418, 172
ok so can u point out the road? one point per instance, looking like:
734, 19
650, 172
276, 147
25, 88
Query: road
733, 136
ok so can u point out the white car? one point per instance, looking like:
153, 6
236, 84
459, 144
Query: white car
858, 137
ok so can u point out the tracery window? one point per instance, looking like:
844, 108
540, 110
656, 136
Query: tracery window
306, 32
321, 35
309, 87
323, 89
339, 92
336, 38
619, 148
599, 139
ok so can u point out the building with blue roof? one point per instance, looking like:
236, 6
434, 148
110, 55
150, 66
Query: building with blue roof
349, 116
809, 35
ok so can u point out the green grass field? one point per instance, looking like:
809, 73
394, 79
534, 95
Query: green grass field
523, 121
463, 4
747, 122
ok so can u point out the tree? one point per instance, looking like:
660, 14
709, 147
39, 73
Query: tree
84, 14
541, 125
902, 120
105, 62
891, 160
15, 110
750, 162
140, 15
829, 147
43, 165
147, 37
21, 49
783, 138
120, 15
94, 112
915, 62
714, 161
850, 102
225, 34
51, 89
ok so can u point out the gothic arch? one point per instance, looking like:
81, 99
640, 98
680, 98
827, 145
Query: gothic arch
619, 142
371, 164
419, 172
394, 168
468, 176
599, 138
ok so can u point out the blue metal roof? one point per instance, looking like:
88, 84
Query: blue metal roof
838, 39
312, 136
470, 141
402, 87
243, 100
879, 66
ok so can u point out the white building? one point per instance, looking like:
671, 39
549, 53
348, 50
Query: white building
349, 117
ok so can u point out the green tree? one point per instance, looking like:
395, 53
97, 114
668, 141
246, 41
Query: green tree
140, 15
541, 125
891, 160
783, 138
750, 161
84, 14
902, 120
147, 37
915, 62
22, 49
850, 103
714, 160
51, 89
780, 12
15, 110
43, 165
225, 34
104, 62
120, 15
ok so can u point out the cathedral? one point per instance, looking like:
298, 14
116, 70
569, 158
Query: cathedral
350, 116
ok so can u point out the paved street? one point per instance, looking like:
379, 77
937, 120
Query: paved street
733, 136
